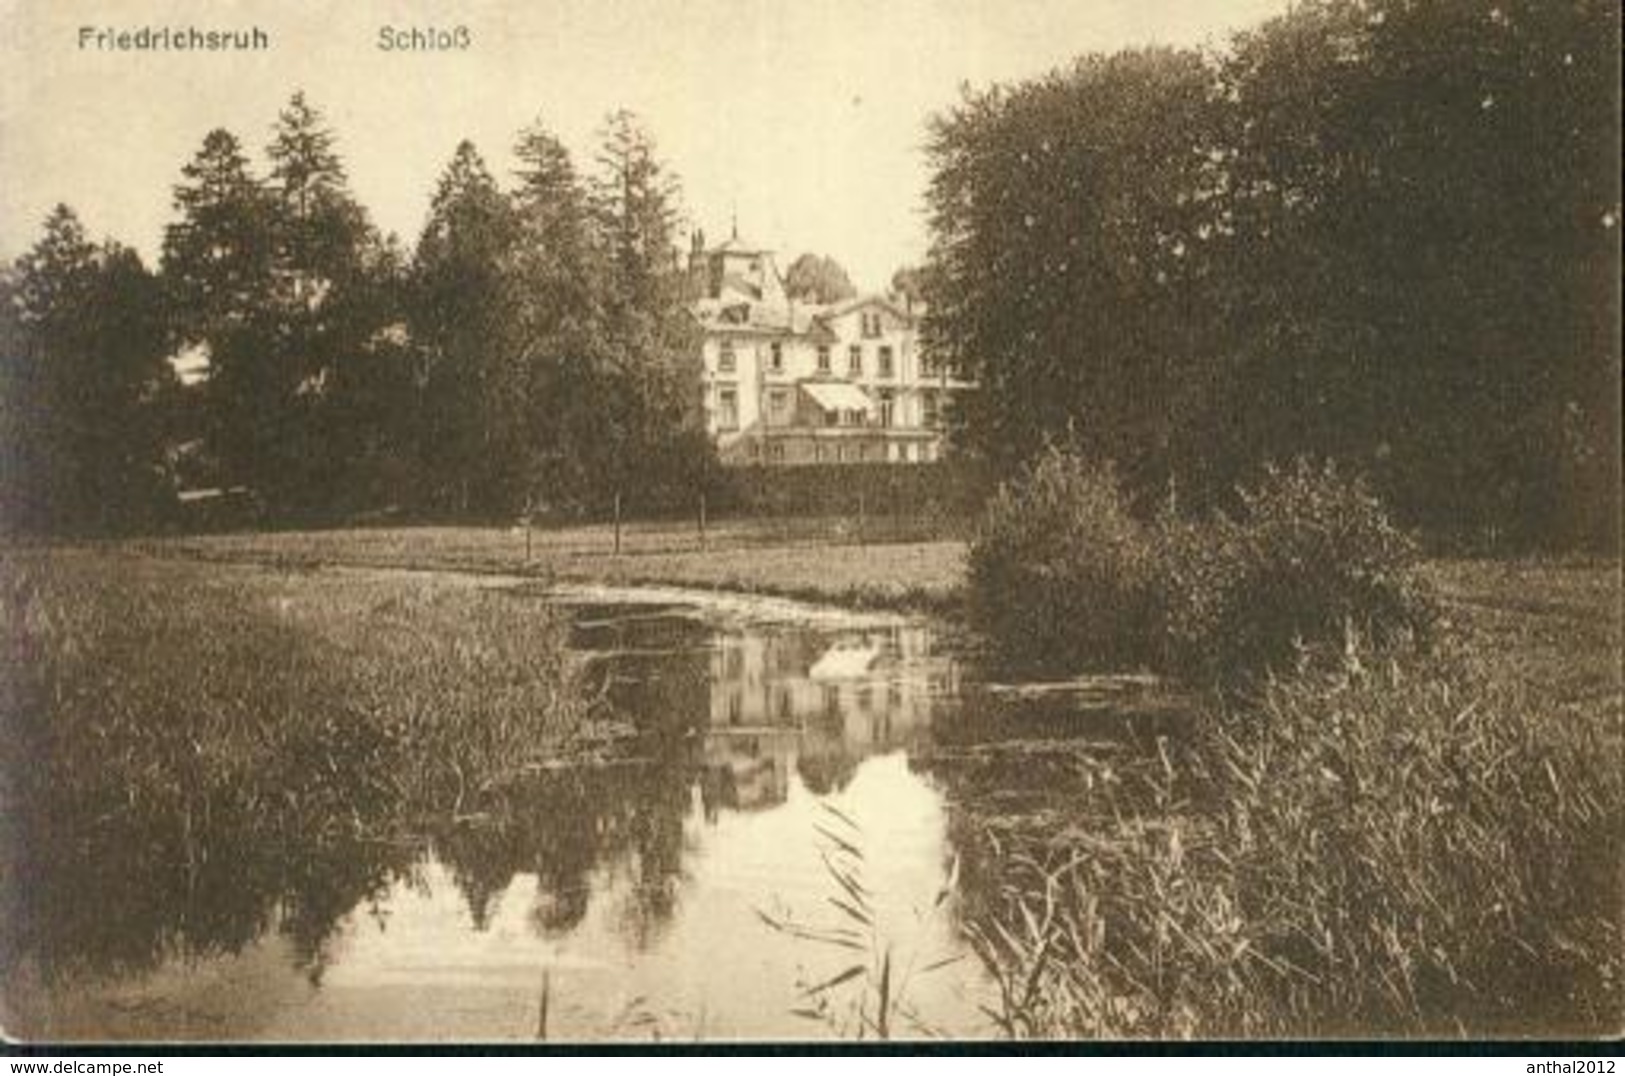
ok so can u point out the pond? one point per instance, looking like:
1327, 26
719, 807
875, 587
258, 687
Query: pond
787, 812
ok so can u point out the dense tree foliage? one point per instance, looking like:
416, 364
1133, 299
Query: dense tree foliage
646, 412
557, 357
908, 284
533, 351
83, 386
1375, 230
287, 290
462, 323
818, 279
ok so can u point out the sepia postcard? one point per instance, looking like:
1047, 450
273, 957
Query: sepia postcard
810, 521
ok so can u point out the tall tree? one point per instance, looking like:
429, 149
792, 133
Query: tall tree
217, 273
634, 204
82, 383
1426, 208
465, 321
818, 280
651, 350
559, 280
323, 302
216, 257
1067, 216
908, 283
1376, 230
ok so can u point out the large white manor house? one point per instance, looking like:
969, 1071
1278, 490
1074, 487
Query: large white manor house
790, 382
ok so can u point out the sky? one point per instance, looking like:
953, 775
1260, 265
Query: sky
803, 119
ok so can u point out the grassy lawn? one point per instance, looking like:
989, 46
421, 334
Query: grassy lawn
1551, 625
1557, 623
821, 560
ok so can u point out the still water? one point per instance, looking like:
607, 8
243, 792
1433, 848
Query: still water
630, 897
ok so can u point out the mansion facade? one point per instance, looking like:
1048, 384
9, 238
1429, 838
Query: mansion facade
789, 382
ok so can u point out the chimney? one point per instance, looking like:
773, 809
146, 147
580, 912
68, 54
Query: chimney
696, 251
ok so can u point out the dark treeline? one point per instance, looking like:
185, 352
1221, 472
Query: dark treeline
532, 350
1380, 231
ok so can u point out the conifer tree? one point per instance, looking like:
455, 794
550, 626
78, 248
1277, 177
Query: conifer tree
652, 346
323, 304
217, 274
464, 321
83, 380
559, 279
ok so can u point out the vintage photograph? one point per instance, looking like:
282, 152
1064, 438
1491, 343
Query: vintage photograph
810, 521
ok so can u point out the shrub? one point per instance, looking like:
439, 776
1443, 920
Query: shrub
1310, 560
1059, 572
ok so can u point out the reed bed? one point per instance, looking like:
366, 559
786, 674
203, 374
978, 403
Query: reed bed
233, 743
1371, 850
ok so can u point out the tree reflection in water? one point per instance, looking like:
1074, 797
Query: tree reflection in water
726, 719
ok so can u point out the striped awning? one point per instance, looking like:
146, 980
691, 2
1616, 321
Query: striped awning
837, 396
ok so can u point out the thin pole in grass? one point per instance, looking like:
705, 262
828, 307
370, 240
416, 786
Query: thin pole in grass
526, 521
541, 1009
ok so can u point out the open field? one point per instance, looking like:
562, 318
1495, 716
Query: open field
1555, 623
820, 560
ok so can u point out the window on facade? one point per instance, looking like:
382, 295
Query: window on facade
823, 358
888, 366
870, 323
775, 357
888, 407
775, 451
728, 409
778, 404
725, 357
832, 418
854, 360
930, 410
928, 368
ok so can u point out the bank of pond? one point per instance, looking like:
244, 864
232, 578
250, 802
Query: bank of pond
248, 804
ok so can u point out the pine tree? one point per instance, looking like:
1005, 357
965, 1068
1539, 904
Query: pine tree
321, 302
634, 211
559, 280
464, 320
320, 227
216, 257
217, 274
83, 378
550, 201
650, 341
